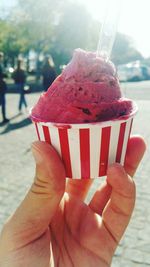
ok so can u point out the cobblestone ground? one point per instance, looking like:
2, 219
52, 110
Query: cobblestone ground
17, 171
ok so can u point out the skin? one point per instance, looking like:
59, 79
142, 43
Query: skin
54, 227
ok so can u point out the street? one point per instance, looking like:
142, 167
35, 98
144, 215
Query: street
17, 172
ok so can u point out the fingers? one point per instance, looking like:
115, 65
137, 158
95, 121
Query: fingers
135, 152
100, 198
117, 213
78, 188
34, 214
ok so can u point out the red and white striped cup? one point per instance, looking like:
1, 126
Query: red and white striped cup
87, 149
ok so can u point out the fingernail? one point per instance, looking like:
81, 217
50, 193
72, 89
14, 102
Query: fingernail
36, 154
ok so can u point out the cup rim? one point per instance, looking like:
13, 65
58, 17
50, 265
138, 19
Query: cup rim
120, 119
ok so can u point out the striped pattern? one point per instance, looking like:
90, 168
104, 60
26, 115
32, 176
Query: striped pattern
87, 152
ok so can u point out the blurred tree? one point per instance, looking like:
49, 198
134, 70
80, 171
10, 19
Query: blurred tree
35, 24
94, 32
9, 40
72, 31
124, 50
146, 61
37, 21
57, 27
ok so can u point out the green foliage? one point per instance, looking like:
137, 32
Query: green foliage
8, 39
57, 27
124, 51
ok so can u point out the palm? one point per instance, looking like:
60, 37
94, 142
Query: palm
51, 228
78, 234
77, 237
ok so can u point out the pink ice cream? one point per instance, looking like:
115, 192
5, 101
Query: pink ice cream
88, 90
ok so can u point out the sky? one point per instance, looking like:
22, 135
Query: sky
4, 3
134, 18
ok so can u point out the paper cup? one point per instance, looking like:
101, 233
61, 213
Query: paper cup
87, 149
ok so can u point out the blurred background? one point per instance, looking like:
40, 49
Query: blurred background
41, 36
30, 31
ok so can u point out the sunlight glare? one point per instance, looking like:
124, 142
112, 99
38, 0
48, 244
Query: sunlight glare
134, 19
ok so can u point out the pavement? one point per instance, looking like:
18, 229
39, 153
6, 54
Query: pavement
17, 172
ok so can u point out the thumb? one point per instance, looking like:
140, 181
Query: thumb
33, 216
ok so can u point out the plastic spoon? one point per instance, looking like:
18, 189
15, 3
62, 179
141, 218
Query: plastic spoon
109, 28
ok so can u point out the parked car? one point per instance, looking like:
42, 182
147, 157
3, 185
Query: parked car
129, 73
133, 72
145, 71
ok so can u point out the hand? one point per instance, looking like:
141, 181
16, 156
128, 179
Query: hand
53, 228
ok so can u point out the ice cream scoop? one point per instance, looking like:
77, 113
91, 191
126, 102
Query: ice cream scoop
88, 90
85, 117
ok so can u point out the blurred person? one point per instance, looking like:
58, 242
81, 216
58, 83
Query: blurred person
48, 72
2, 72
54, 227
1, 63
3, 89
19, 77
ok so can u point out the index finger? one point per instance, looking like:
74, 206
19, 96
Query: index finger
116, 214
135, 151
118, 210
